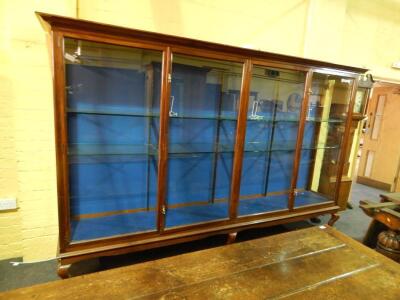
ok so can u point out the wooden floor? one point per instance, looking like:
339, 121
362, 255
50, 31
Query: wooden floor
312, 263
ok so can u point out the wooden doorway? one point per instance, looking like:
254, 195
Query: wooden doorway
380, 158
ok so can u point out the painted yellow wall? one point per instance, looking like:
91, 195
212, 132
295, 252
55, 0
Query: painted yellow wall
370, 36
274, 25
355, 32
27, 160
10, 222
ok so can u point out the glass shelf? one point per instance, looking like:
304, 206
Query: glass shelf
249, 147
111, 149
320, 146
266, 119
290, 146
320, 120
154, 115
205, 117
110, 112
150, 149
269, 119
296, 120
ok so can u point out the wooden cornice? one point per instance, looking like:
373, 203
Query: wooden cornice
54, 22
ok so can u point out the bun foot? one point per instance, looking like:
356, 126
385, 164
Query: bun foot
63, 271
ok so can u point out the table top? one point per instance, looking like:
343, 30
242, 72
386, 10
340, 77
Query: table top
312, 263
394, 197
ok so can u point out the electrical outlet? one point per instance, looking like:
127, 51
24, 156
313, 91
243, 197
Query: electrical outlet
396, 65
8, 203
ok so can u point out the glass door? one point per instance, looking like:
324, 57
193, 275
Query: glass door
276, 97
204, 102
113, 96
327, 112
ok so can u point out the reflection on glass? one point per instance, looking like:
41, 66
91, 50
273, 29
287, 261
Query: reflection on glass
203, 110
328, 103
275, 102
113, 97
360, 101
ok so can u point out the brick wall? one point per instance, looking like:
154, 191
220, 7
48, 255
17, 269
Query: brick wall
10, 222
27, 159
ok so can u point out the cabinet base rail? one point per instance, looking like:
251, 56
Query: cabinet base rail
67, 258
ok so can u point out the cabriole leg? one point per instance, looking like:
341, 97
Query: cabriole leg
231, 238
333, 219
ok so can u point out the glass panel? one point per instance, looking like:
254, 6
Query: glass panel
113, 97
202, 126
272, 123
323, 137
361, 100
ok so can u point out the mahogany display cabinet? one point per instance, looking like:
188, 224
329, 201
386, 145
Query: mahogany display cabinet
162, 139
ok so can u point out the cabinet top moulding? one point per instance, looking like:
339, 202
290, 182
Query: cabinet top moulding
64, 24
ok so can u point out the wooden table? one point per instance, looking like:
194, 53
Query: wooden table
313, 263
393, 197
384, 229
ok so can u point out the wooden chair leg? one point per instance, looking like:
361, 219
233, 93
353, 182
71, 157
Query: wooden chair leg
333, 219
231, 238
63, 271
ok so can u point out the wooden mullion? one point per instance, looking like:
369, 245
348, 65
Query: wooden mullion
61, 138
163, 138
345, 142
300, 136
240, 139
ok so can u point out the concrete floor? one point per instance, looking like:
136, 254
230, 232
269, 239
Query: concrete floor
353, 222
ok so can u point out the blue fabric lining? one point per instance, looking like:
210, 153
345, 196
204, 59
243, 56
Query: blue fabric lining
144, 221
113, 158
